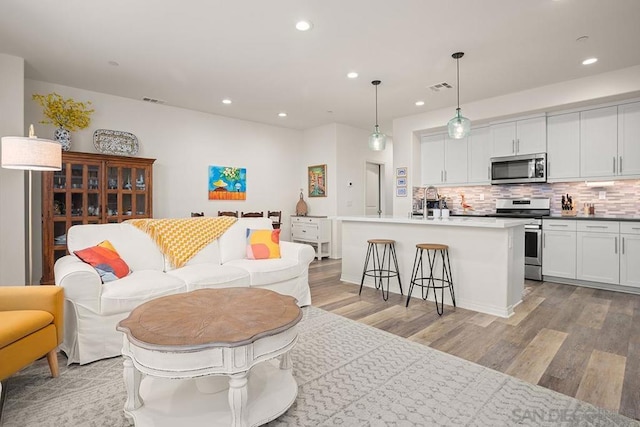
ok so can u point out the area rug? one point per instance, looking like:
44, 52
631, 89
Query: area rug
349, 374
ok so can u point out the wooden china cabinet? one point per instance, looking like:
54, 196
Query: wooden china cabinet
91, 189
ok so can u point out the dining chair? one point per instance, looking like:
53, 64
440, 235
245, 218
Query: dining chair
276, 217
252, 214
228, 213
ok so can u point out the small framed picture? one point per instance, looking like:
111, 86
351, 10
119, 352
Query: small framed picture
401, 171
317, 181
401, 192
401, 182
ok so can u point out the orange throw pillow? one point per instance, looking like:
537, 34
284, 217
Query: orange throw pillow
105, 259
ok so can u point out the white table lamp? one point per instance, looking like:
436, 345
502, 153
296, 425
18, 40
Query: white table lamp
30, 154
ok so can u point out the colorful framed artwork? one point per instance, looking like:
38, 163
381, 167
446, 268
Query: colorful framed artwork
227, 183
401, 192
401, 182
317, 176
401, 172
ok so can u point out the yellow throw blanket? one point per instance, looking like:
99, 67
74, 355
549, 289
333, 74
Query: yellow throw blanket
180, 239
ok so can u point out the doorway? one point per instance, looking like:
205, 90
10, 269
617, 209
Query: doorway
373, 189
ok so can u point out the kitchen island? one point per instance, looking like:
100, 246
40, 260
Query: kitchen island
487, 256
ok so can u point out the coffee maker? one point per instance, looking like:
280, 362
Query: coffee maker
430, 202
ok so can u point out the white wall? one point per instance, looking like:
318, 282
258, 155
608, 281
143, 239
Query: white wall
185, 143
619, 84
319, 148
352, 155
12, 182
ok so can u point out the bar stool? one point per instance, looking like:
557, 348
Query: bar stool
381, 266
446, 280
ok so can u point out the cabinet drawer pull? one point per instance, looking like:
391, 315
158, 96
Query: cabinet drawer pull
596, 226
615, 247
558, 225
635, 228
620, 164
513, 145
623, 246
614, 164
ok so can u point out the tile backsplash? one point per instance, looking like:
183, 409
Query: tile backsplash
621, 199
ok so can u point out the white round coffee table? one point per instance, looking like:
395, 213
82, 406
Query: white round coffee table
208, 357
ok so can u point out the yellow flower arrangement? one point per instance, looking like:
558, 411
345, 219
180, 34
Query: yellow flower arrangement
64, 113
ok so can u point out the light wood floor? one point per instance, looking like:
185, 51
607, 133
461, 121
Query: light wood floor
581, 342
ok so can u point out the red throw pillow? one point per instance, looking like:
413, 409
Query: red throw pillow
105, 259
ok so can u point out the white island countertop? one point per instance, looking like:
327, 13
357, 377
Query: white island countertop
449, 222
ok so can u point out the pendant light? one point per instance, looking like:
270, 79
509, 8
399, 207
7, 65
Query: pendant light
459, 126
377, 140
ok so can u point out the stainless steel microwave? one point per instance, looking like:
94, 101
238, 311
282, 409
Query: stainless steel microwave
519, 169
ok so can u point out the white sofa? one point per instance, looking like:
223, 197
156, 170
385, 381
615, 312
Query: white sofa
93, 309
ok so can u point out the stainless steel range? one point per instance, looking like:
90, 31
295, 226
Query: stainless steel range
527, 208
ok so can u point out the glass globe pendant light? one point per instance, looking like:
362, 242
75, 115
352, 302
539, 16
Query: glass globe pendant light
459, 126
377, 140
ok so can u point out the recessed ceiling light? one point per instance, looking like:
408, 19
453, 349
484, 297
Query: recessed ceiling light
589, 61
352, 75
303, 25
226, 101
282, 114
419, 103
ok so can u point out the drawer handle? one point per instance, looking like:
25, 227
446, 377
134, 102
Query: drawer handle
558, 225
623, 246
635, 228
596, 226
615, 247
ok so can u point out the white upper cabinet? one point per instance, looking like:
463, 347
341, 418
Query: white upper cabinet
526, 136
479, 155
563, 146
455, 161
629, 139
444, 160
432, 156
599, 142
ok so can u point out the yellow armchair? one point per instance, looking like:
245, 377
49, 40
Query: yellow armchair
31, 319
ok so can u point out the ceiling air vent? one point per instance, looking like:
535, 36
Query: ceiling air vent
153, 100
440, 86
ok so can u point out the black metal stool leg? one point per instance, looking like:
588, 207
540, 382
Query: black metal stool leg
414, 273
364, 270
386, 256
450, 277
395, 262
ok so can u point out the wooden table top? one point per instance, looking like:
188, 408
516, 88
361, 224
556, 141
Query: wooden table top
228, 317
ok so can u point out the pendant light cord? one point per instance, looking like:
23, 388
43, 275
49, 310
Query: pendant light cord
458, 77
376, 106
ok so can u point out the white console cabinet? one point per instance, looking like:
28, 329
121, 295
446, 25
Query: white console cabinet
312, 230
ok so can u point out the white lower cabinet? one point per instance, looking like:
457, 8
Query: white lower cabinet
630, 254
315, 231
606, 252
559, 248
598, 251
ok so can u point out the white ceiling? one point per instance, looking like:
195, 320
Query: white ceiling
194, 53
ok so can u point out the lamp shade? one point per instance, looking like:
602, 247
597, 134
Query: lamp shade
377, 140
459, 126
31, 154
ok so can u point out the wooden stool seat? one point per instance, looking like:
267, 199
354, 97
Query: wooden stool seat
418, 276
381, 241
432, 246
381, 265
